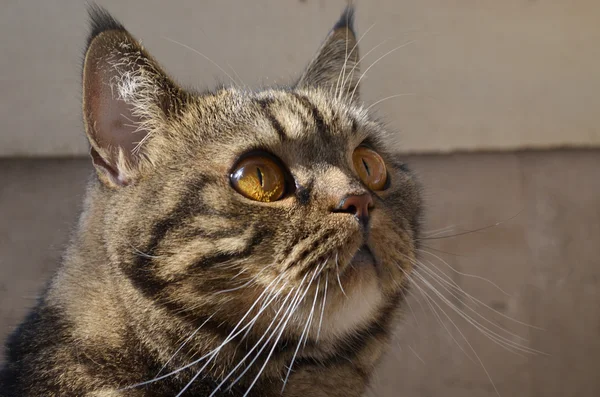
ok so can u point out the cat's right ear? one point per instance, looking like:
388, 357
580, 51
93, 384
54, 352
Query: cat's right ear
127, 98
335, 67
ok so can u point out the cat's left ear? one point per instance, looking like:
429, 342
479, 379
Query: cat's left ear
335, 66
128, 101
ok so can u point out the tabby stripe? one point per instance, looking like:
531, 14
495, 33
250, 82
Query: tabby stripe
188, 206
193, 233
222, 257
265, 104
146, 281
354, 125
141, 271
316, 114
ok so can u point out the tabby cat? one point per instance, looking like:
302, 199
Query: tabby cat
232, 243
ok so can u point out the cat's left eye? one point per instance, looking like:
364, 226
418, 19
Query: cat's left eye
259, 177
370, 168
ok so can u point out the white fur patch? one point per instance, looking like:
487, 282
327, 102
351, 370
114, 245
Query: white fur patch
356, 308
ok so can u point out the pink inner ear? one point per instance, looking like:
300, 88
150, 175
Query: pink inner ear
116, 126
110, 120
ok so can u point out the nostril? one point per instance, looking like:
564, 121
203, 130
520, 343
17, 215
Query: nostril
358, 206
350, 209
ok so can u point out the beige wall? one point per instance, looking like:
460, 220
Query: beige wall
543, 255
484, 74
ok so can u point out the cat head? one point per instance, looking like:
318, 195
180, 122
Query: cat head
242, 204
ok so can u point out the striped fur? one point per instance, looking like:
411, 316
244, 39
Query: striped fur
168, 262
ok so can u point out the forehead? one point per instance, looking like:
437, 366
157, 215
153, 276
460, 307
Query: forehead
299, 126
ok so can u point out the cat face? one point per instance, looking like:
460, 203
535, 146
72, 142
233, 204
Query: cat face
283, 206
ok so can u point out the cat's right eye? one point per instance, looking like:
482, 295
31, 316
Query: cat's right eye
259, 177
370, 168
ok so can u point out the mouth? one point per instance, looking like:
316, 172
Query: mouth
363, 263
364, 257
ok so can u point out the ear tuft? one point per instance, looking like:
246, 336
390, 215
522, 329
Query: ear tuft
335, 66
346, 20
101, 21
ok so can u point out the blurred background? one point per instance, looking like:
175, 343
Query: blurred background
496, 106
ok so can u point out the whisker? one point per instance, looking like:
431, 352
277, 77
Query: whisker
183, 344
143, 254
275, 317
474, 230
252, 323
246, 284
475, 323
203, 56
360, 61
323, 305
405, 299
443, 275
443, 252
343, 70
274, 346
455, 287
282, 306
493, 336
410, 306
466, 274
390, 97
212, 353
338, 93
306, 327
479, 302
415, 353
376, 62
338, 275
241, 82
468, 343
242, 271
320, 273
285, 320
429, 300
434, 232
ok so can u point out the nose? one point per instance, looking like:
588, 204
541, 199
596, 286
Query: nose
358, 206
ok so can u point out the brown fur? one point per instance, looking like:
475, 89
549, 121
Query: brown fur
166, 245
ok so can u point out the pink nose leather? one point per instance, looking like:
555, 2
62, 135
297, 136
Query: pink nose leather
357, 205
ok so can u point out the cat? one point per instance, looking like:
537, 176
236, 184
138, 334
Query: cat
232, 243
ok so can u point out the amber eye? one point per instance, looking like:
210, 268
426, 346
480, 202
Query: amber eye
259, 178
370, 167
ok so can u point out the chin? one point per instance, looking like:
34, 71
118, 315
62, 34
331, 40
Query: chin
354, 299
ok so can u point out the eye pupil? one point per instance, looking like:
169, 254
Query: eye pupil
260, 177
366, 166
